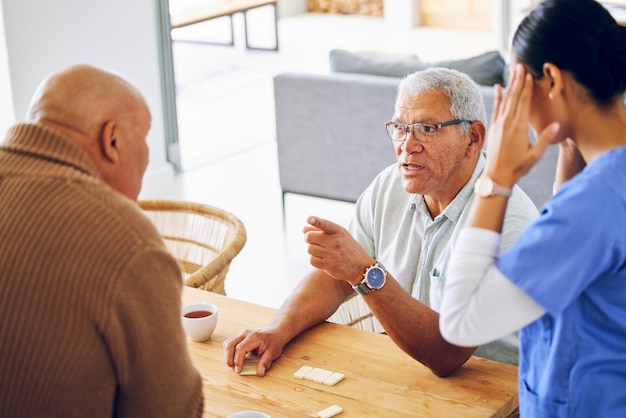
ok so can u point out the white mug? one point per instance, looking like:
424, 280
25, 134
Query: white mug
199, 320
249, 414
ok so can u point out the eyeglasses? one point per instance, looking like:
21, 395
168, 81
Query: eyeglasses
423, 132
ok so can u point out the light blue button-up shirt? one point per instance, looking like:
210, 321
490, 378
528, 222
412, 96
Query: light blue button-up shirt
396, 228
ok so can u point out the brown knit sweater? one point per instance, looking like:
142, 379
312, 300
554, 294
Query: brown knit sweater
89, 298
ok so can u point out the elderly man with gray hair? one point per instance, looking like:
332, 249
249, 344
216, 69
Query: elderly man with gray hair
396, 248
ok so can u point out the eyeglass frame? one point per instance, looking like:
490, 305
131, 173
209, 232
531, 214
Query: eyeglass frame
435, 126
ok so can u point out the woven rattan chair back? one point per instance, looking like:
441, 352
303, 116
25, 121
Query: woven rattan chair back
204, 239
354, 312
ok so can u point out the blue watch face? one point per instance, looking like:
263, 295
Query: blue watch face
375, 277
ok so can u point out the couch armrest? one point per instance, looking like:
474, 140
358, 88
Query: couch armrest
330, 132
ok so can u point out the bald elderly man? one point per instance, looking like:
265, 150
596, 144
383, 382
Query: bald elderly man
90, 301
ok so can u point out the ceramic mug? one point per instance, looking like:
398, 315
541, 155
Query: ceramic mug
249, 414
199, 320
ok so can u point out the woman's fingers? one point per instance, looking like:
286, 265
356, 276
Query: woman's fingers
495, 112
506, 104
509, 151
522, 109
513, 93
546, 137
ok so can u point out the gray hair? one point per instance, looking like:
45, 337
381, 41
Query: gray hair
466, 100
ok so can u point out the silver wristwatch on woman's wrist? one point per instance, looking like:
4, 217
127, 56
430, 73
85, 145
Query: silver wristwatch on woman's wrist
486, 187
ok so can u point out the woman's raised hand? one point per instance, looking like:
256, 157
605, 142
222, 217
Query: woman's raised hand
510, 154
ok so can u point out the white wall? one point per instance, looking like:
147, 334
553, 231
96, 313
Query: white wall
122, 36
291, 7
7, 115
403, 14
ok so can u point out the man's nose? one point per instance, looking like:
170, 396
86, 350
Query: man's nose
411, 143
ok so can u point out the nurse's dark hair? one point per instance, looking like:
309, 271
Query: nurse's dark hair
579, 36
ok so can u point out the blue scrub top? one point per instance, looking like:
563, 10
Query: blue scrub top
572, 261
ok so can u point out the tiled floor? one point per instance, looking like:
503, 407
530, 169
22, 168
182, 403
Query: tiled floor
226, 117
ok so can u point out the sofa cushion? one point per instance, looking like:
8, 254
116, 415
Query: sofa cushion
486, 69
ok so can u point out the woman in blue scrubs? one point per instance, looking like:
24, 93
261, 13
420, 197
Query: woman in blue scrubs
564, 281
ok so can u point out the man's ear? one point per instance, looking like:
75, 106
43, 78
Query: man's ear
109, 144
476, 134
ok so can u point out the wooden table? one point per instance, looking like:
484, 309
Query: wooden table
381, 380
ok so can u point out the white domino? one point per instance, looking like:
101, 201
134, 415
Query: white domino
302, 371
333, 379
331, 411
249, 365
318, 375
321, 376
313, 373
250, 358
248, 370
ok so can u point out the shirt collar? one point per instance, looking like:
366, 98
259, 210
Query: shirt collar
47, 144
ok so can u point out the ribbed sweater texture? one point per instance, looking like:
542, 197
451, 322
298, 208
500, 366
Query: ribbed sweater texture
89, 297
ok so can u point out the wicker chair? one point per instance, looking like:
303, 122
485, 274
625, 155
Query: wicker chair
355, 313
204, 239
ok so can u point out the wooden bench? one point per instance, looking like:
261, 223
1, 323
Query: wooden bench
222, 8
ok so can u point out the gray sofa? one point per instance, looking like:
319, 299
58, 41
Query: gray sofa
330, 135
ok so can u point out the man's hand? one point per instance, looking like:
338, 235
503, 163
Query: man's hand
335, 251
263, 341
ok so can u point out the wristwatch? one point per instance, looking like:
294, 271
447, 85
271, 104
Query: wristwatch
374, 278
486, 187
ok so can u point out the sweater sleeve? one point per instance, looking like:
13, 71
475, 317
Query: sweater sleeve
156, 376
476, 294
